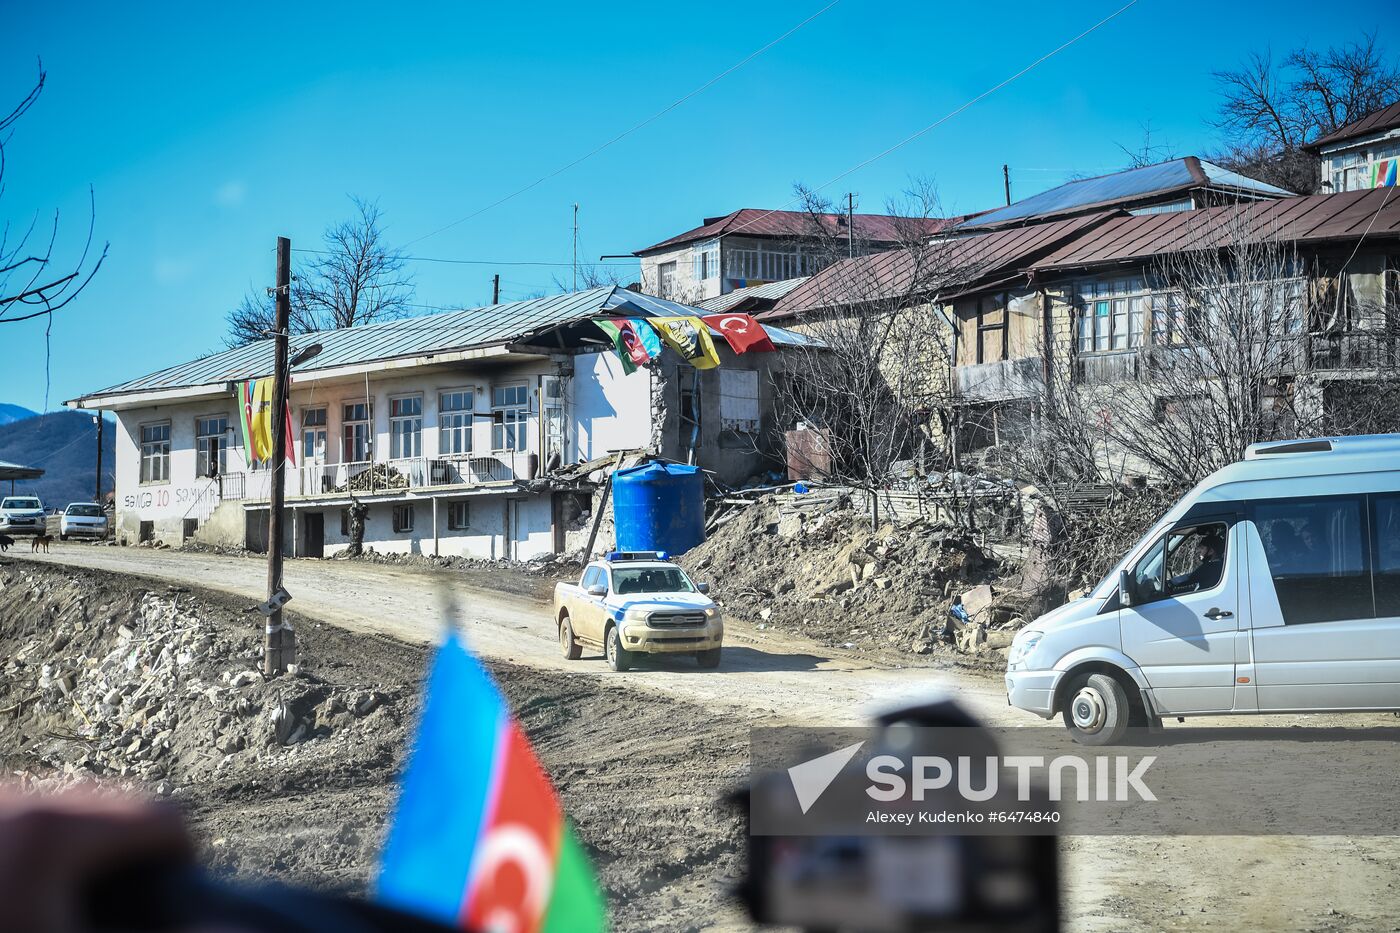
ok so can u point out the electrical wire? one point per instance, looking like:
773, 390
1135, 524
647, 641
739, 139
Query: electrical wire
478, 262
945, 118
628, 132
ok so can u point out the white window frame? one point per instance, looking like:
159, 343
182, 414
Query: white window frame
155, 462
401, 512
456, 424
348, 424
202, 439
459, 515
516, 416
706, 261
738, 400
316, 433
406, 431
666, 278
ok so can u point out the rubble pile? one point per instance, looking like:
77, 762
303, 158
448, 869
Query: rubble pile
147, 689
826, 574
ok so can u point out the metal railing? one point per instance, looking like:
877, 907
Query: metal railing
367, 477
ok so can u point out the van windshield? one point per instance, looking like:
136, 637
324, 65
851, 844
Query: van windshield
86, 511
651, 580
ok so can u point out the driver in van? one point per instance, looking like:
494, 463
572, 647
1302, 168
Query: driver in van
1210, 554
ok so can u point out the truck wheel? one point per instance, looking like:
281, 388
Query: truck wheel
619, 658
567, 642
1097, 710
708, 659
63, 537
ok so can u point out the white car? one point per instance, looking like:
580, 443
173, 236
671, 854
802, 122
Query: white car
21, 515
82, 520
1272, 587
637, 602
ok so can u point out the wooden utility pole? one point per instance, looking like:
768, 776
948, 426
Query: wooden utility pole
279, 645
496, 289
1006, 181
850, 225
98, 497
575, 247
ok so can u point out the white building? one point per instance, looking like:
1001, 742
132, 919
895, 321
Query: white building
457, 430
1352, 155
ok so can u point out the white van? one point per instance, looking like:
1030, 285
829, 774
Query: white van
1272, 587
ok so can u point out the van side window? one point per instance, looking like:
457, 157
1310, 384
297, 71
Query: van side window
1316, 550
591, 576
1385, 543
1186, 560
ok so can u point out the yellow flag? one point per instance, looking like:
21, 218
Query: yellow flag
262, 419
689, 337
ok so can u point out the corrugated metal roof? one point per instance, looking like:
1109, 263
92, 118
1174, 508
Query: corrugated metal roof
748, 221
759, 294
1386, 118
973, 259
493, 325
1313, 218
1122, 189
18, 471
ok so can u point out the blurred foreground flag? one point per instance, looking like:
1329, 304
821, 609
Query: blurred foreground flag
478, 840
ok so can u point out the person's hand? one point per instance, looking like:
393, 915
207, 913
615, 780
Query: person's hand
52, 847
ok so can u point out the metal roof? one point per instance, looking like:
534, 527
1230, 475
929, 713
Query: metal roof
1123, 189
493, 325
1386, 118
748, 221
13, 471
1309, 219
753, 295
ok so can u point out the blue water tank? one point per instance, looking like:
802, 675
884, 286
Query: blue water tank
659, 507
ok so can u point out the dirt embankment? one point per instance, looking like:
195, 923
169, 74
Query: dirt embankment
108, 678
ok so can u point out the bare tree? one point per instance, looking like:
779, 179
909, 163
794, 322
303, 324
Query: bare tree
34, 282
355, 278
590, 275
1148, 152
1269, 111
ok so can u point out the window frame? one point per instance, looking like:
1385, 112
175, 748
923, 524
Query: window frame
402, 510
1228, 523
515, 415
201, 445
316, 431
347, 426
1367, 559
454, 523
147, 460
414, 432
447, 432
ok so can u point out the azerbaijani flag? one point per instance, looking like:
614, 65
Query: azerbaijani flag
478, 840
1383, 173
624, 352
245, 419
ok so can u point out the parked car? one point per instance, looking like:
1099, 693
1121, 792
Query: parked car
1272, 587
82, 520
637, 602
21, 515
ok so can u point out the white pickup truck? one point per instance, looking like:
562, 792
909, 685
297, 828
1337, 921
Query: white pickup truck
637, 602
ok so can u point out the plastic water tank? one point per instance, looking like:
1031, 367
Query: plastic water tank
659, 507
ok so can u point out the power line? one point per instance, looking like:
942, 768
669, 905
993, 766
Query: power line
478, 262
946, 117
628, 132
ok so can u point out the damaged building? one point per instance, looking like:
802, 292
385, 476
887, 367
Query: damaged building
460, 432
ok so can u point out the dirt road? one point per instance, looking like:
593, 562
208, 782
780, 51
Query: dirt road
1112, 883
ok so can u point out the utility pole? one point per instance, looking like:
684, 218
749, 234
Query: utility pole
279, 645
98, 498
1006, 180
575, 246
850, 225
496, 289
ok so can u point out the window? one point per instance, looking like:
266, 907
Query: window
1316, 551
552, 419
1111, 314
666, 279
403, 518
210, 438
592, 576
991, 328
455, 421
510, 408
313, 434
345, 523
355, 436
458, 516
690, 417
406, 427
1385, 543
707, 261
1185, 560
738, 400
651, 580
155, 452
766, 263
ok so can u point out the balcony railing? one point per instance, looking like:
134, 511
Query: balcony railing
369, 477
1359, 351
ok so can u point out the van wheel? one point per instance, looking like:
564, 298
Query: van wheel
1097, 710
708, 659
63, 537
567, 642
619, 658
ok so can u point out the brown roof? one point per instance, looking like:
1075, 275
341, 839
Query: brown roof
748, 221
975, 259
1384, 119
1311, 219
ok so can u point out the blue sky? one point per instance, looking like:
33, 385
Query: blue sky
206, 134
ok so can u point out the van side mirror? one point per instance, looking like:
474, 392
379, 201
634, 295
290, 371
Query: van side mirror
702, 587
1125, 590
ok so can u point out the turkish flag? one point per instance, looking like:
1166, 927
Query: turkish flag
742, 332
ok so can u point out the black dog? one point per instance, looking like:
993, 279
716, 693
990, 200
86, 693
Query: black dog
5, 542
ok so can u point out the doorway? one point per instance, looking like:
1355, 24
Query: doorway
313, 526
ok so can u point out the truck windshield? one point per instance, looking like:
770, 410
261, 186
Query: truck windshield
20, 504
651, 580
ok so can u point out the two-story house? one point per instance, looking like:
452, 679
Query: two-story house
456, 430
1363, 154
